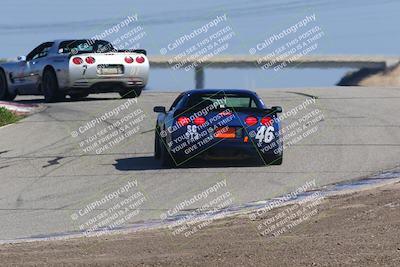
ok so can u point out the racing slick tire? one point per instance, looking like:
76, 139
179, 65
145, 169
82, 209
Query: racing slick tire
4, 93
78, 95
166, 158
157, 146
51, 90
131, 93
275, 159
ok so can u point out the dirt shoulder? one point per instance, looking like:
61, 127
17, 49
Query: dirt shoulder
360, 229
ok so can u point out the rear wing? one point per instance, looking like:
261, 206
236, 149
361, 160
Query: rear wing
138, 51
273, 111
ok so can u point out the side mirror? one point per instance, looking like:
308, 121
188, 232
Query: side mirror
276, 109
21, 58
159, 109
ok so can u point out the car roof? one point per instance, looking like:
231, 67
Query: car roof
59, 41
75, 39
225, 91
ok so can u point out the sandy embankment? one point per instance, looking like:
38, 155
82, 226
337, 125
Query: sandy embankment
360, 229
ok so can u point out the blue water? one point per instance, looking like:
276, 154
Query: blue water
350, 27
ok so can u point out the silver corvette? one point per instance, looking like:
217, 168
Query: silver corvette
76, 68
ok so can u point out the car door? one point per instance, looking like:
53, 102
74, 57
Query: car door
32, 68
17, 74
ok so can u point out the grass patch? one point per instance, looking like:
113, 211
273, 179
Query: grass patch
7, 117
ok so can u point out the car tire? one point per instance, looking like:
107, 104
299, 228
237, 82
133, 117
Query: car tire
4, 93
166, 158
275, 159
50, 87
157, 152
78, 95
131, 93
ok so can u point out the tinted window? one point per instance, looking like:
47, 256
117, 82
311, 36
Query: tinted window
221, 100
40, 51
84, 46
179, 98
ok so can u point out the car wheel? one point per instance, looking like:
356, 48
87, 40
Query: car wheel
166, 158
78, 95
275, 159
131, 93
4, 94
50, 87
157, 153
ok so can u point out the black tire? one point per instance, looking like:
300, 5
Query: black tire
4, 93
131, 93
157, 147
78, 95
273, 159
51, 90
165, 156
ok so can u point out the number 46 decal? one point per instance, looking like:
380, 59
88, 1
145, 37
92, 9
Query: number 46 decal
265, 134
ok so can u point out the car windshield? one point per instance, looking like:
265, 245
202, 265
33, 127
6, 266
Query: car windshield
84, 46
221, 101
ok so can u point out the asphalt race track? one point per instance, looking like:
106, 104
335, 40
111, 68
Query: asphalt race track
46, 177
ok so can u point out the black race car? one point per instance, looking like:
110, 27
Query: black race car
218, 124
